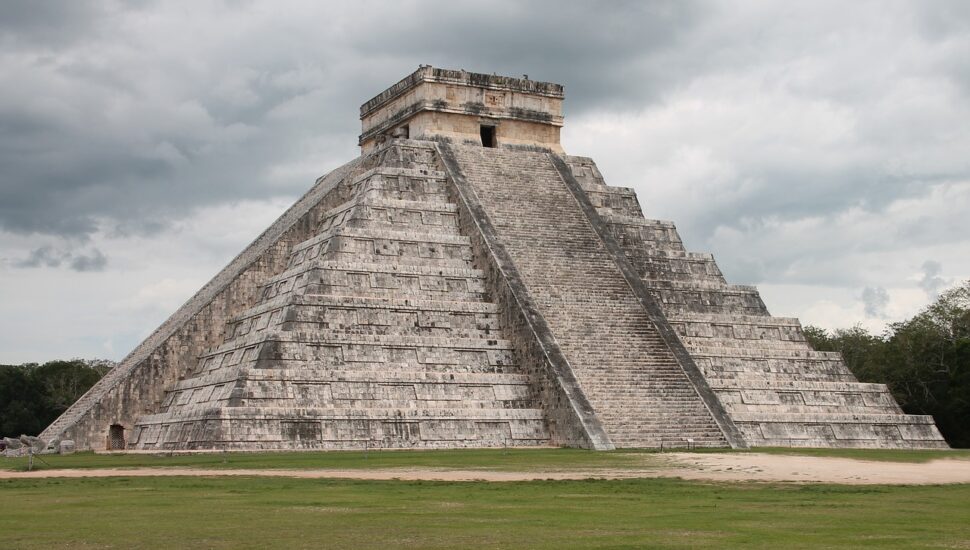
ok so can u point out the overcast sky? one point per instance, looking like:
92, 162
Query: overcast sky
820, 150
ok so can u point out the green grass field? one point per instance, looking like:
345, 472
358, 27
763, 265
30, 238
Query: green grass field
524, 460
527, 460
300, 513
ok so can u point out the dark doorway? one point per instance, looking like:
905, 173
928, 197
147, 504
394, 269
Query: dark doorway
488, 136
116, 437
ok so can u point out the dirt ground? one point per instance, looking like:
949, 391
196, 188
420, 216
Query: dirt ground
771, 467
711, 467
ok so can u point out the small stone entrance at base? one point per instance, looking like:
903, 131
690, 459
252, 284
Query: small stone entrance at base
116, 437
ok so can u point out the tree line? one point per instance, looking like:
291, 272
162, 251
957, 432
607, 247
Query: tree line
925, 360
33, 395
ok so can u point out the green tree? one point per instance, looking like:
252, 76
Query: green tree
63, 382
926, 362
32, 396
19, 401
859, 348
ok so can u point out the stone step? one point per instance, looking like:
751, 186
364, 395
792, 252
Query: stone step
390, 398
402, 183
378, 233
352, 413
701, 286
401, 373
374, 267
875, 443
385, 203
367, 302
789, 408
752, 353
795, 384
392, 215
733, 319
340, 338
766, 345
390, 279
810, 418
422, 171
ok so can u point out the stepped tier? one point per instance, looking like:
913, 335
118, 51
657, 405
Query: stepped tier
377, 333
775, 388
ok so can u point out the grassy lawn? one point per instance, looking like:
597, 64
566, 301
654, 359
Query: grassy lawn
259, 512
525, 460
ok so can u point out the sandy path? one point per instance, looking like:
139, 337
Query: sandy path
711, 467
770, 467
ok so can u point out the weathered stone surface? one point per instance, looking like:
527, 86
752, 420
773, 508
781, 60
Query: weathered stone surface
434, 103
775, 388
437, 293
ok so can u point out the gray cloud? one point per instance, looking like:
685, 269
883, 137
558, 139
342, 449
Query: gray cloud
45, 256
931, 282
875, 299
815, 146
49, 256
96, 261
48, 24
114, 125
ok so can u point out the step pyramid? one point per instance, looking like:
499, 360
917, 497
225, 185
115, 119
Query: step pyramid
465, 283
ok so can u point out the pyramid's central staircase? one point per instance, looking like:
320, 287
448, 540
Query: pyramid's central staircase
637, 388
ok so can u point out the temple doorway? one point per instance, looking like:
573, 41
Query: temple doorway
116, 437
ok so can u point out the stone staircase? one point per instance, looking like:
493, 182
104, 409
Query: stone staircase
776, 388
638, 390
377, 334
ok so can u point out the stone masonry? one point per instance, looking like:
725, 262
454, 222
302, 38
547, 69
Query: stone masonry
465, 284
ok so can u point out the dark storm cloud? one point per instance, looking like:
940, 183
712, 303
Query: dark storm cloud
110, 125
126, 117
811, 146
48, 23
607, 57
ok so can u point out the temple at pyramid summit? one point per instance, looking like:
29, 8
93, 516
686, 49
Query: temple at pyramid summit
466, 283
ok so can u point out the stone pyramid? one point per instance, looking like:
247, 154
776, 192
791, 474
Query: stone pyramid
465, 283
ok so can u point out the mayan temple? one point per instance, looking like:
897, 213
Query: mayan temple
465, 283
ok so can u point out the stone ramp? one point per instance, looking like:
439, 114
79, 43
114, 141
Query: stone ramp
638, 390
775, 387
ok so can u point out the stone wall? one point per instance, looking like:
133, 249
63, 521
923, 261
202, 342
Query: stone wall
775, 388
378, 332
437, 103
137, 384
